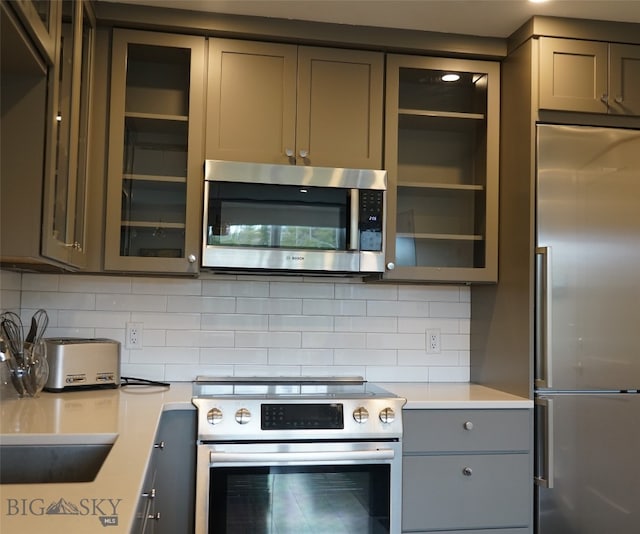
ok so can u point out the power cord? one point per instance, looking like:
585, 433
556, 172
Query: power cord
132, 381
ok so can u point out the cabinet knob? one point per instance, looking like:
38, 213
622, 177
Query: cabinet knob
150, 494
191, 258
468, 425
159, 445
155, 516
467, 471
605, 98
619, 99
304, 153
391, 266
290, 153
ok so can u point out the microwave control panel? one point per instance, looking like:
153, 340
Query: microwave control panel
370, 225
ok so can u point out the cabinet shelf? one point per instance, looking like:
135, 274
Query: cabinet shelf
440, 114
443, 237
435, 185
154, 178
152, 224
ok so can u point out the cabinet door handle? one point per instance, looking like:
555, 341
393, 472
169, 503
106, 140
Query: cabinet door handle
467, 471
290, 153
155, 516
150, 494
159, 445
543, 334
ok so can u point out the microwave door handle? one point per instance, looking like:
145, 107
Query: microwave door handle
354, 223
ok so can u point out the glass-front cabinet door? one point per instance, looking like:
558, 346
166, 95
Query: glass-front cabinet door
442, 159
69, 114
155, 153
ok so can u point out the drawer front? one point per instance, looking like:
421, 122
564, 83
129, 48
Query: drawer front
465, 491
467, 430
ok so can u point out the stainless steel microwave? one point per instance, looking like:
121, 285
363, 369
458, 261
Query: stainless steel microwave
293, 218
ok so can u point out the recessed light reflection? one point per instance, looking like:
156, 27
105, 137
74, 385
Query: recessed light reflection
304, 190
452, 77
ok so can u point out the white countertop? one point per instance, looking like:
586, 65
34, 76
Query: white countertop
449, 396
129, 418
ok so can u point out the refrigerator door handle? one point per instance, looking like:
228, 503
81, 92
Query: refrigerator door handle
543, 352
544, 443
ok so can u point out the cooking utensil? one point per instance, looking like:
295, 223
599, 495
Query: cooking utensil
39, 323
12, 331
15, 372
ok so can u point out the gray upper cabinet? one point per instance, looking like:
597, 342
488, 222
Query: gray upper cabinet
441, 153
66, 186
155, 160
589, 76
41, 23
45, 126
278, 103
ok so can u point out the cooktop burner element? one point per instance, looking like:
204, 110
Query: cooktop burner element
279, 408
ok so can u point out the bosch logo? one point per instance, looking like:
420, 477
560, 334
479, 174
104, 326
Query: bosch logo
295, 258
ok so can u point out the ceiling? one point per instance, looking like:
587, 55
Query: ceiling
491, 18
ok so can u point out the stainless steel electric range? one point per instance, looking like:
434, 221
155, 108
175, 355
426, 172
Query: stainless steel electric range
297, 455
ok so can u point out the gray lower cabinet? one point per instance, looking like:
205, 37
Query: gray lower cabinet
167, 501
468, 471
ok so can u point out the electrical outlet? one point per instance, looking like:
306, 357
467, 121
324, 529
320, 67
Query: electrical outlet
433, 341
133, 336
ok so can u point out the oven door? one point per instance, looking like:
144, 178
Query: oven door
299, 488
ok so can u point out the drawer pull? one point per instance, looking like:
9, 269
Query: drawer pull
467, 471
468, 425
150, 494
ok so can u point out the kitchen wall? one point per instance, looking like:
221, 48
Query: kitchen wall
228, 325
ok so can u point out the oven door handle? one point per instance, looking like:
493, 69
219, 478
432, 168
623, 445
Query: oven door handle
217, 457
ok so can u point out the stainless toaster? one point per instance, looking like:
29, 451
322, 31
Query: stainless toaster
76, 363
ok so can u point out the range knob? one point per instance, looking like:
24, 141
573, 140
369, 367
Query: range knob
214, 416
387, 415
360, 415
243, 416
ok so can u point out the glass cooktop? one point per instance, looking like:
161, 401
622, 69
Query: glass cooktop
287, 386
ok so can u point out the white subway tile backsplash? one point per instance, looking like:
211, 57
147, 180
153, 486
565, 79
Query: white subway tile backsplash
334, 307
61, 301
300, 356
450, 309
300, 323
250, 325
268, 339
92, 319
93, 284
366, 324
343, 340
266, 306
229, 321
301, 289
201, 304
365, 357
169, 321
165, 286
377, 340
235, 288
234, 356
116, 301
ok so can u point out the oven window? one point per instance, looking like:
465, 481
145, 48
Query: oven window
277, 216
300, 500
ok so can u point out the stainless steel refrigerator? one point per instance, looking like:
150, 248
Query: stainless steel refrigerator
587, 330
